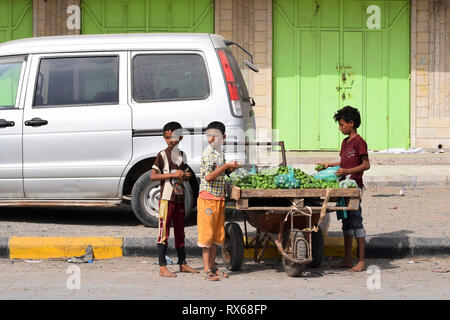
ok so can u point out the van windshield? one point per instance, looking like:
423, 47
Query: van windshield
9, 82
240, 82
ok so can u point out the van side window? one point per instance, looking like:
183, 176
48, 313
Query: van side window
9, 82
159, 77
77, 81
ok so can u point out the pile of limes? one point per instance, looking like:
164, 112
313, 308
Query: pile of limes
268, 181
257, 181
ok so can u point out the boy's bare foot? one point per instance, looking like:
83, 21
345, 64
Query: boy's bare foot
342, 265
186, 268
164, 272
360, 266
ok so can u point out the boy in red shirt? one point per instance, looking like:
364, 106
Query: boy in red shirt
354, 161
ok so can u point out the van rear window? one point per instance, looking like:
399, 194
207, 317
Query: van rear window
160, 77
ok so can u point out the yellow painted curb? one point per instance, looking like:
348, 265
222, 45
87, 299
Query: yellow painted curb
333, 247
63, 247
271, 251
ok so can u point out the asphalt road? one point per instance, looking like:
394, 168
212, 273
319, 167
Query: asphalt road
138, 278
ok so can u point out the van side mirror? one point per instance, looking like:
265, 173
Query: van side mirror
250, 65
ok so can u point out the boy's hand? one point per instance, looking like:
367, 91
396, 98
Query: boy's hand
179, 174
232, 165
342, 172
187, 175
320, 167
324, 165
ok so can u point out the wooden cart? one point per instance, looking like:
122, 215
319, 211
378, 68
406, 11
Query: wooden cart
288, 217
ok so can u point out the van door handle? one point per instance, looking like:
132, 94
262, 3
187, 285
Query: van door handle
36, 122
5, 123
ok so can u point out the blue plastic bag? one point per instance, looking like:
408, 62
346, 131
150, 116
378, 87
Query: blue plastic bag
287, 181
328, 174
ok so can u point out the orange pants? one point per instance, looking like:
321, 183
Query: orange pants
210, 222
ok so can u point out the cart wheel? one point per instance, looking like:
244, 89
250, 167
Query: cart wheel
233, 249
317, 249
300, 252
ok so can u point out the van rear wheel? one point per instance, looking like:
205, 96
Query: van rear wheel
145, 197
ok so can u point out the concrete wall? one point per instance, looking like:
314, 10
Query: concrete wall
50, 17
430, 73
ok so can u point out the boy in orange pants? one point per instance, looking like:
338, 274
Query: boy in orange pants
211, 200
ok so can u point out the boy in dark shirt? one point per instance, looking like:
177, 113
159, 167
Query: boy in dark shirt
171, 169
354, 161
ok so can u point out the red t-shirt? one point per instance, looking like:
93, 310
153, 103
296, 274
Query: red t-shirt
351, 152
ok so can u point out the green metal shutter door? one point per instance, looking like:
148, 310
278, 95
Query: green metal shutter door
16, 19
131, 16
316, 43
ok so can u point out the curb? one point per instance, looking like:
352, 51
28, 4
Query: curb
37, 248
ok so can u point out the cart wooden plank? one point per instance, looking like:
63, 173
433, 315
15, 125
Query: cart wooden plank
238, 193
281, 199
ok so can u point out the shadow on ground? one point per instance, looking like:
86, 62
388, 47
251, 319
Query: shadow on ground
120, 216
90, 216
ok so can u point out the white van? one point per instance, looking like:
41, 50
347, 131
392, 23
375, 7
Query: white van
81, 117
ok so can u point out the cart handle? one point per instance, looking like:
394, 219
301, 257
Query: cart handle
274, 143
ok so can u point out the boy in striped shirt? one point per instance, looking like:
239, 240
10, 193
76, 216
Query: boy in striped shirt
171, 169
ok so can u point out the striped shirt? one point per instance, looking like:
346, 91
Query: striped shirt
166, 162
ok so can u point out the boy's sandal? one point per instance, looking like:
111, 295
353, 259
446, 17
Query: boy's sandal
211, 276
220, 273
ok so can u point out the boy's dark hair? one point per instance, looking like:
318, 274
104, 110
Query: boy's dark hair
216, 125
348, 114
172, 126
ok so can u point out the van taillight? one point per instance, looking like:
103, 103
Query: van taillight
231, 84
232, 89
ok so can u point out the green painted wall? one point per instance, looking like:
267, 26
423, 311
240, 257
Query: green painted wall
326, 56
16, 19
131, 16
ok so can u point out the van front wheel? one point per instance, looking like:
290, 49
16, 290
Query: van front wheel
145, 197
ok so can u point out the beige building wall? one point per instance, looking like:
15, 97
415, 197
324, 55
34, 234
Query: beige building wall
249, 23
50, 17
430, 73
